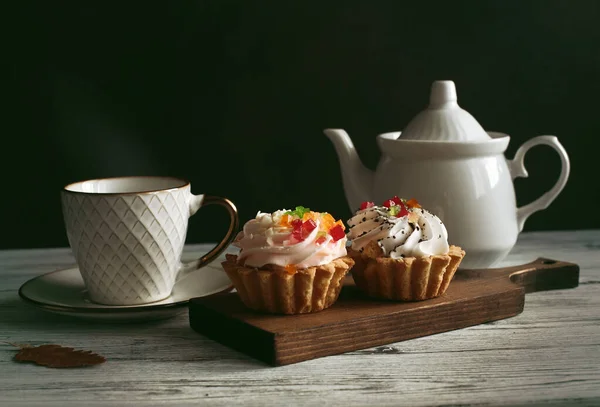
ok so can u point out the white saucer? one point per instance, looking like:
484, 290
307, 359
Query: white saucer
63, 292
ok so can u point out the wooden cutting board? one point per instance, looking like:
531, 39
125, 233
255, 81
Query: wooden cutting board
357, 322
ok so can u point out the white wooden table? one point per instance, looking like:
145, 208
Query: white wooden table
548, 355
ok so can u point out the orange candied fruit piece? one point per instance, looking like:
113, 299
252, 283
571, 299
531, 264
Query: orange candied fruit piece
285, 220
412, 203
291, 268
339, 222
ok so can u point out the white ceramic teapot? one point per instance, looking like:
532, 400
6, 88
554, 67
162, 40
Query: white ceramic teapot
454, 168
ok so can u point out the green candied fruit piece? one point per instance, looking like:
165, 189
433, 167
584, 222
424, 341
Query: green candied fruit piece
299, 211
394, 210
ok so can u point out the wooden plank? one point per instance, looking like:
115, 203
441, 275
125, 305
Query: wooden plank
357, 322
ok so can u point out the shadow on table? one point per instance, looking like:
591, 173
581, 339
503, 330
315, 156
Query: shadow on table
168, 340
15, 312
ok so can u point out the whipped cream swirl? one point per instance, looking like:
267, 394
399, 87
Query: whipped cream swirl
264, 241
420, 233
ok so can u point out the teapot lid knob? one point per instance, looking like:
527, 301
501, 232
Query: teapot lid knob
444, 120
443, 93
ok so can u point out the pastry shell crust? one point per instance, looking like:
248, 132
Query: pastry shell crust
408, 278
274, 290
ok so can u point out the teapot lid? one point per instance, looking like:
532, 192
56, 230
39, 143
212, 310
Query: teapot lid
444, 120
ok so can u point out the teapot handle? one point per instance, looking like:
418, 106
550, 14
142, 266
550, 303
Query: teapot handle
517, 169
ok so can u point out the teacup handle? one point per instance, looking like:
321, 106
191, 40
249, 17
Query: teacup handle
196, 202
517, 169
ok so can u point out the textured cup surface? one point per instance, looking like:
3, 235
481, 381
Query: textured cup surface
127, 243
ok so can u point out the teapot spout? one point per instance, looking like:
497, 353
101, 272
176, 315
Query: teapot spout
357, 179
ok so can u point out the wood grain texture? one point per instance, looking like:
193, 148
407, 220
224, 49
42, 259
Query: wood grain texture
547, 355
357, 322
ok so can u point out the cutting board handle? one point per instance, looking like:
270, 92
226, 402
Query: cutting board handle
542, 274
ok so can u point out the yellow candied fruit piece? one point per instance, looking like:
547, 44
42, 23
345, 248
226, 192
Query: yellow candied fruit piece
291, 269
309, 215
327, 221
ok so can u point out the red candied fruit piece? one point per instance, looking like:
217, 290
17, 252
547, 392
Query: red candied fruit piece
337, 233
321, 240
394, 201
403, 211
366, 204
308, 226
297, 234
302, 229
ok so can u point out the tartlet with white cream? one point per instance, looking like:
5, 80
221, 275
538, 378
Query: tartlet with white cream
401, 251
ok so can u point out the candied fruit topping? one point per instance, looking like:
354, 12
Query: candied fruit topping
308, 226
402, 212
310, 215
412, 203
291, 269
366, 204
327, 221
297, 229
298, 212
400, 207
297, 234
337, 233
389, 203
303, 222
285, 220
321, 237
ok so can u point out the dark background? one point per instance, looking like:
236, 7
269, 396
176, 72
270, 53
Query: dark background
234, 95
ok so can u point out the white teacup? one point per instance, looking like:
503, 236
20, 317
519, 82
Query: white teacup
127, 235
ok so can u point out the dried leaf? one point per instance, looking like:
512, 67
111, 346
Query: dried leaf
57, 356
